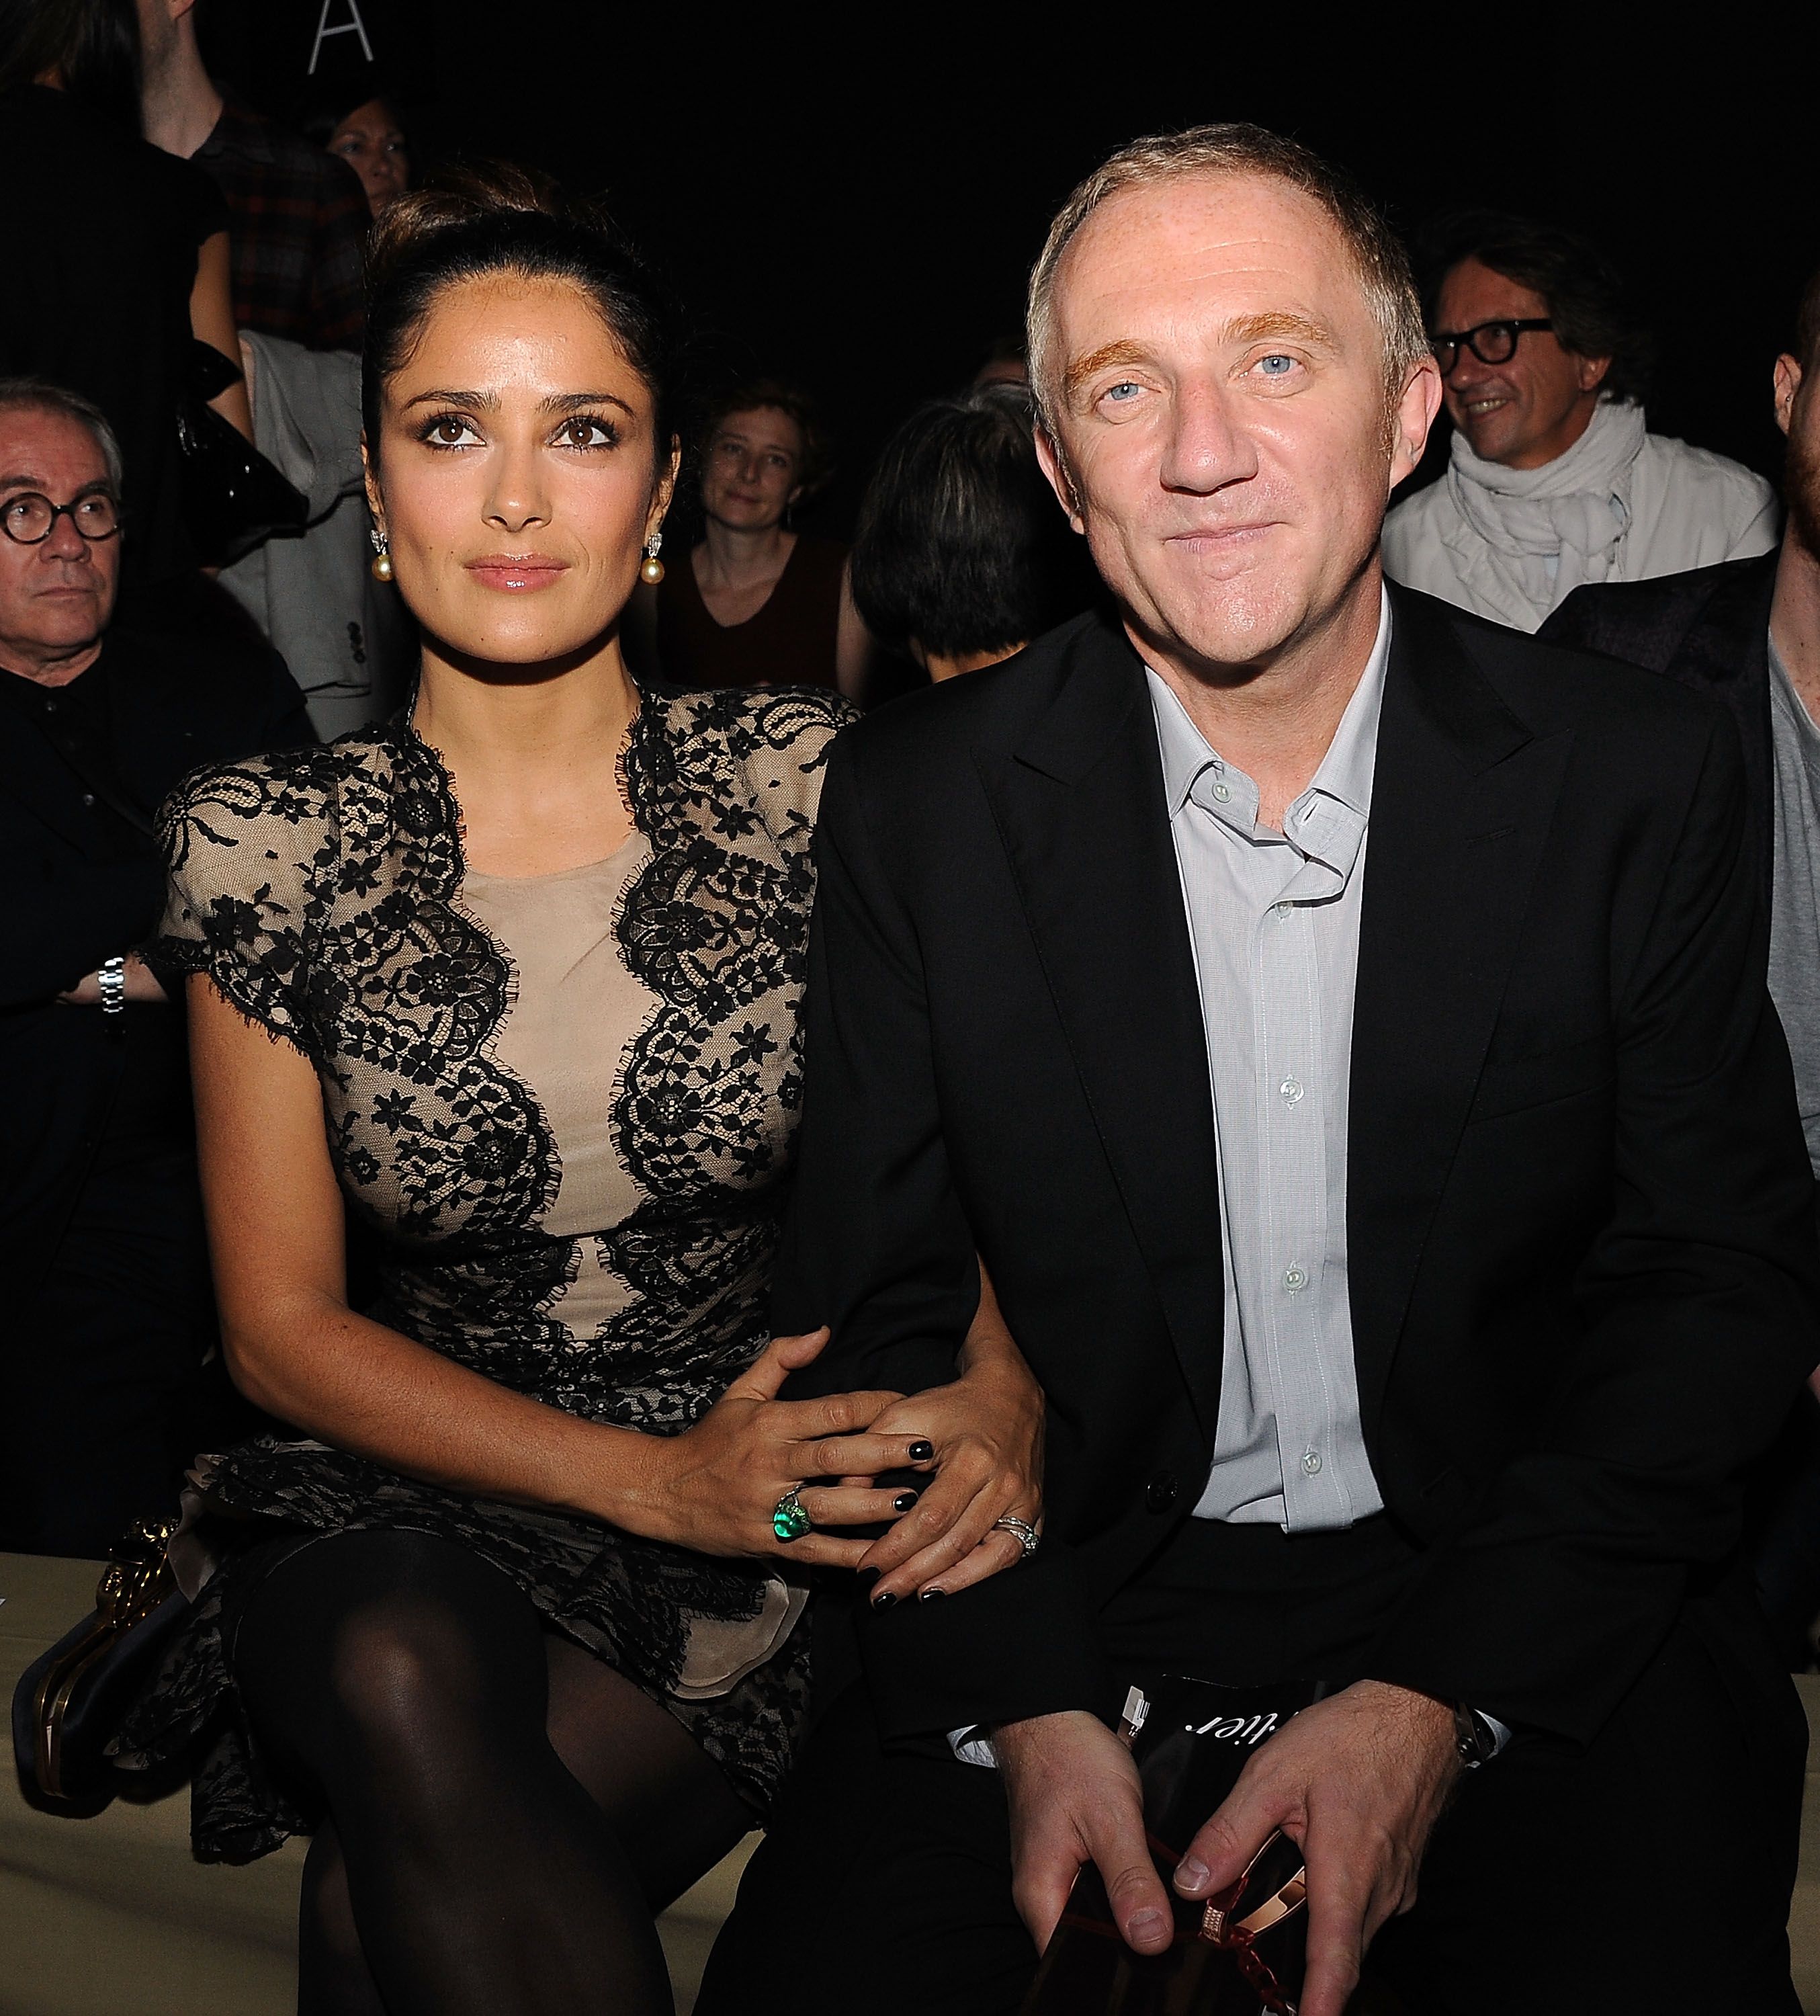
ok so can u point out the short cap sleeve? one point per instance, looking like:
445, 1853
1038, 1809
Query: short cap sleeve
247, 847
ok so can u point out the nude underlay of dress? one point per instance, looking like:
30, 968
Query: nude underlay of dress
575, 1009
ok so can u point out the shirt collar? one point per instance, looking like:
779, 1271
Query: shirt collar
1345, 771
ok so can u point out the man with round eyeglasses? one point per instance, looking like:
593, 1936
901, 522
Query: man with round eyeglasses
1554, 481
109, 1319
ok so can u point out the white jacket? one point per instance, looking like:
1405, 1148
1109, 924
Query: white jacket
1679, 507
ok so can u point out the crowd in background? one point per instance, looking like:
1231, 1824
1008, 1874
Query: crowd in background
186, 576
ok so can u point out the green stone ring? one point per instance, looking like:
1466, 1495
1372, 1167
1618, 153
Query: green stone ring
788, 1519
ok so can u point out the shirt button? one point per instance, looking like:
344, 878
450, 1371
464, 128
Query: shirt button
1311, 1462
1292, 1089
50, 707
1159, 1494
87, 797
1222, 792
1284, 910
1295, 1280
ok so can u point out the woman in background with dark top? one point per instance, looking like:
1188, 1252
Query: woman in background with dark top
757, 604
371, 139
963, 554
116, 260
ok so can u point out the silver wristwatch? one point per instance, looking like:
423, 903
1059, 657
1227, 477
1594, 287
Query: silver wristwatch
113, 980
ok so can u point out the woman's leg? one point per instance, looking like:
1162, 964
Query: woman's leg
409, 1679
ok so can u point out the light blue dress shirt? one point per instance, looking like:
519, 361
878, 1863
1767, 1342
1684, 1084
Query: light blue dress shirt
1274, 921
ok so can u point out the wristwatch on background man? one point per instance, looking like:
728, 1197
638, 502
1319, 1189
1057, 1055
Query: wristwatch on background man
1474, 1737
112, 980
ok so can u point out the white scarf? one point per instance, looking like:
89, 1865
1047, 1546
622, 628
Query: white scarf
1575, 509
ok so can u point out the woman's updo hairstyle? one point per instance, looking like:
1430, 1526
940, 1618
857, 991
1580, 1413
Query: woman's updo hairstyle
492, 218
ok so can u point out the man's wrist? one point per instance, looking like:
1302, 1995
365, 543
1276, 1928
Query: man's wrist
111, 979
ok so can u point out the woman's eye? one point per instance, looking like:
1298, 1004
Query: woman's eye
450, 430
585, 431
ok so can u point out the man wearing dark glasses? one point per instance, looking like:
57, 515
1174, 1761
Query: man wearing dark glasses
1554, 481
101, 1253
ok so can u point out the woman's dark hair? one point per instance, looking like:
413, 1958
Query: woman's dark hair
319, 116
490, 219
817, 464
1585, 293
961, 545
94, 45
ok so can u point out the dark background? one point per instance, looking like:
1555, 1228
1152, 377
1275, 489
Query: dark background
853, 199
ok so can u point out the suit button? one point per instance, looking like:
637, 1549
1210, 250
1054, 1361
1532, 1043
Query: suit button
1159, 1494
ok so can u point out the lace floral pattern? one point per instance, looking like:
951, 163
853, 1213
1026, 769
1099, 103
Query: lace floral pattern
320, 890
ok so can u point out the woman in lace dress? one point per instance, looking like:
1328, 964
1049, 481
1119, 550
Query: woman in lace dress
502, 1615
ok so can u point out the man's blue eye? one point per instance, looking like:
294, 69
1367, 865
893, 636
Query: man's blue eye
1118, 390
1276, 365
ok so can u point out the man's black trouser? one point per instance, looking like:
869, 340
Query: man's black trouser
1647, 1875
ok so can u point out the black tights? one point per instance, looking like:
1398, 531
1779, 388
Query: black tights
506, 1814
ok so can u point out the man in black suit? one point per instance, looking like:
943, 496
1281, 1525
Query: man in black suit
1747, 635
108, 1316
1339, 1025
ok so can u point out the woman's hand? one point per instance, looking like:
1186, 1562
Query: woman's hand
713, 1488
987, 1430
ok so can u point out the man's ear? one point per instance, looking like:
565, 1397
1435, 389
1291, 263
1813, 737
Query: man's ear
1054, 466
1788, 389
1591, 372
1412, 417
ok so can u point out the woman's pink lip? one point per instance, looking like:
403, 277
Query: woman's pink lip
497, 571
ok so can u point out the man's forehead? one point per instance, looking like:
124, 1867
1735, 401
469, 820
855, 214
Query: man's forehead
32, 443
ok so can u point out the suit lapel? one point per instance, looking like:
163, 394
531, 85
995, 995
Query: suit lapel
1462, 801
1081, 810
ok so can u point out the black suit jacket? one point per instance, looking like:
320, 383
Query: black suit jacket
84, 881
1583, 1273
1708, 628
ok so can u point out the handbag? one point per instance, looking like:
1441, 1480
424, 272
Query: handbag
1240, 1952
233, 498
69, 1703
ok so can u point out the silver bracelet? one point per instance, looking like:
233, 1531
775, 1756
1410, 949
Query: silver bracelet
113, 981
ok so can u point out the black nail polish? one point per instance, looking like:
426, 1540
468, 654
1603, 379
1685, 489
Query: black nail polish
923, 1452
883, 1602
865, 1577
904, 1500
924, 1597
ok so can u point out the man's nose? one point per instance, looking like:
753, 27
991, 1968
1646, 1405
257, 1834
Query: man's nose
1207, 447
63, 541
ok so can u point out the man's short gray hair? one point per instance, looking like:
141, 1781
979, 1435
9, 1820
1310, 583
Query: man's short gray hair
1238, 149
39, 395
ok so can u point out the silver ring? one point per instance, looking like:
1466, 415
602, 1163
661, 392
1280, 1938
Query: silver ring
1020, 1530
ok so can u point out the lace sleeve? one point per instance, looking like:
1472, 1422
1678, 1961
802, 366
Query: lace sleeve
247, 848
786, 756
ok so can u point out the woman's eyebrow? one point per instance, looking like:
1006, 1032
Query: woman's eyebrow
568, 402
486, 401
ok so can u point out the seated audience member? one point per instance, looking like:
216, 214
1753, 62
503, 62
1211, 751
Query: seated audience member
756, 603
1006, 363
961, 554
514, 1608
1553, 480
1340, 1025
300, 216
371, 139
1746, 633
107, 288
108, 1312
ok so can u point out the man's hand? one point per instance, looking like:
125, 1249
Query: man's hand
1074, 1797
1357, 1782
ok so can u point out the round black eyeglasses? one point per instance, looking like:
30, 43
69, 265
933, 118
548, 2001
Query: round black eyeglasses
1491, 342
28, 517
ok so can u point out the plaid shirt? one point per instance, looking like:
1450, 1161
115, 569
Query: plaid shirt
300, 224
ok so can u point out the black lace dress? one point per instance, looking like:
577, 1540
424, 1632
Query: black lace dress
323, 892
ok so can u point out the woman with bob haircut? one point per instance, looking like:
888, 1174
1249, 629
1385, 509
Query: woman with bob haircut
509, 1613
963, 554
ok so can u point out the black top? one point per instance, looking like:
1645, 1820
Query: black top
1582, 1269
1708, 628
99, 260
83, 770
